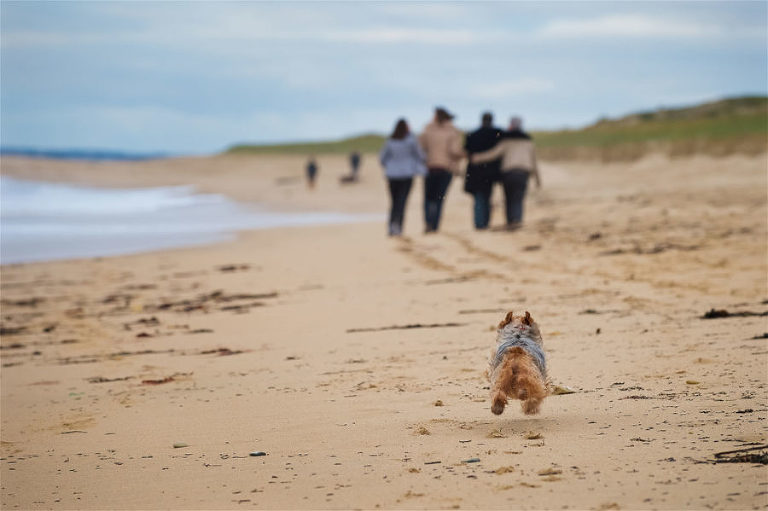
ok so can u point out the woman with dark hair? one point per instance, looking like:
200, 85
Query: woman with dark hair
402, 159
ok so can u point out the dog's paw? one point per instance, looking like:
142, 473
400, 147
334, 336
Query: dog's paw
498, 405
531, 407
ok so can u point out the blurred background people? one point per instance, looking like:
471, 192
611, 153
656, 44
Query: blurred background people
402, 159
480, 177
442, 143
312, 169
518, 163
354, 164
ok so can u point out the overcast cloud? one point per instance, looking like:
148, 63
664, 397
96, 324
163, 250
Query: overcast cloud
196, 77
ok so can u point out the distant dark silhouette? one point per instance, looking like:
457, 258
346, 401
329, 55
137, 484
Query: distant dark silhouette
480, 177
442, 143
518, 163
354, 165
402, 159
312, 169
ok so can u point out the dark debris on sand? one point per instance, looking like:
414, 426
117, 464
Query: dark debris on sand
12, 330
403, 327
204, 301
722, 313
656, 249
744, 455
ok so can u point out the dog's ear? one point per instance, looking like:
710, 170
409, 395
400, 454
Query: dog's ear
507, 320
527, 320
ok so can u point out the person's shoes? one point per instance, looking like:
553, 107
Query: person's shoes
395, 230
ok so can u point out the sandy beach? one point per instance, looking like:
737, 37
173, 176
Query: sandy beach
355, 362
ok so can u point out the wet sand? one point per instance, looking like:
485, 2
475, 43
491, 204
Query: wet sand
145, 381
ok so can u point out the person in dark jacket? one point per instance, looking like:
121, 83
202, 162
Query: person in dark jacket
481, 176
518, 164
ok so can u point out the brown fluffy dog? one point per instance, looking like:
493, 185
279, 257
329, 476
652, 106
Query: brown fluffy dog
518, 367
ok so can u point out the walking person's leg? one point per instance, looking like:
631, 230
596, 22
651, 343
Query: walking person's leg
520, 190
430, 201
515, 186
443, 181
311, 178
482, 209
398, 191
399, 202
393, 190
404, 200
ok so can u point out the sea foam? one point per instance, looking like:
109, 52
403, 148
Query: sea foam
47, 221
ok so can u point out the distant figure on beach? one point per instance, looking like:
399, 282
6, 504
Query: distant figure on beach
311, 172
402, 159
480, 177
354, 164
442, 143
518, 163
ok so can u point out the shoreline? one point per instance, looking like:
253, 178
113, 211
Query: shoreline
256, 345
82, 222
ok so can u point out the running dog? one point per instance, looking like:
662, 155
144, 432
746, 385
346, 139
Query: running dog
518, 368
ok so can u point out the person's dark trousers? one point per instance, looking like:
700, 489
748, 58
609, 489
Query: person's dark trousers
482, 206
435, 187
515, 185
398, 192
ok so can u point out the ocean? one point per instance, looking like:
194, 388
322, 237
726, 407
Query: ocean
41, 221
80, 154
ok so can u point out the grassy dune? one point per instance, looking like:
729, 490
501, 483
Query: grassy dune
369, 143
738, 125
729, 126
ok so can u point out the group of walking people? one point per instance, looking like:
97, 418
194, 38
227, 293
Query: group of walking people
493, 155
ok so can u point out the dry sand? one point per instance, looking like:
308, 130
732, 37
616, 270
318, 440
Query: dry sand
250, 346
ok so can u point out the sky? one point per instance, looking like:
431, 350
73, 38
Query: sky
197, 77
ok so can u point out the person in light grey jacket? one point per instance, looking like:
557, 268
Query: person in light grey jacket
402, 159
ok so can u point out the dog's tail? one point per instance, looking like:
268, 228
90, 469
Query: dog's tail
518, 378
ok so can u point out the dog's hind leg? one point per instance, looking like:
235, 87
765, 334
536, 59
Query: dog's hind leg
530, 387
532, 393
531, 406
503, 385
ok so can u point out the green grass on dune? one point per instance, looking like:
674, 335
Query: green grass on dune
735, 125
738, 124
368, 143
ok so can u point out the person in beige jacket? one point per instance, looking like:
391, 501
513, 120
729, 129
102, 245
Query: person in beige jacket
442, 143
518, 164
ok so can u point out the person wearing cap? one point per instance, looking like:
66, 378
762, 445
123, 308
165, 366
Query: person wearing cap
518, 164
442, 143
481, 176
